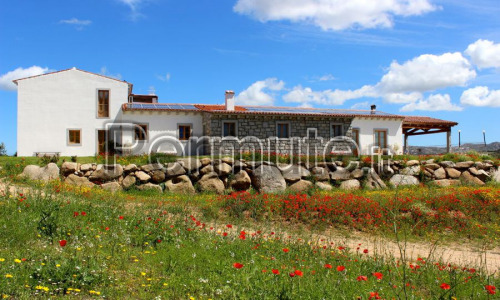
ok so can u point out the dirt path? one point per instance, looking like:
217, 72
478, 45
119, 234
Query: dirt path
457, 254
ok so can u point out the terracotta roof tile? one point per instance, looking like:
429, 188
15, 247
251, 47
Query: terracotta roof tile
419, 120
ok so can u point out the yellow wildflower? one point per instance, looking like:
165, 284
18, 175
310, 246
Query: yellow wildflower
143, 274
17, 261
8, 276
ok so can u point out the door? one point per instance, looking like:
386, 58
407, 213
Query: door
102, 141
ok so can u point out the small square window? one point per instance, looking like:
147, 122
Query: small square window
184, 132
337, 130
283, 130
141, 132
229, 129
312, 133
74, 136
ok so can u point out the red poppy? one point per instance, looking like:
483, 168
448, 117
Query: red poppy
341, 248
378, 275
328, 266
445, 286
229, 226
107, 228
292, 274
63, 243
362, 278
76, 214
490, 289
286, 250
83, 213
374, 295
340, 268
298, 273
120, 217
365, 251
237, 265
276, 271
224, 234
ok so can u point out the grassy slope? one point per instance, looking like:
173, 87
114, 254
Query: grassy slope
141, 247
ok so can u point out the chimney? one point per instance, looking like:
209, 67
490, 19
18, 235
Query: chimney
373, 108
230, 100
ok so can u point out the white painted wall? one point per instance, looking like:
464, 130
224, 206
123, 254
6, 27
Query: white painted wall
367, 136
162, 126
49, 105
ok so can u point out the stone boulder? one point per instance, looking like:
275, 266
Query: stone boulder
323, 186
294, 173
207, 169
75, 180
353, 165
481, 174
453, 173
86, 167
447, 164
105, 173
228, 160
301, 186
174, 169
351, 184
223, 169
440, 173
399, 179
464, 164
69, 168
320, 174
446, 182
157, 176
495, 176
47, 173
142, 176
413, 170
129, 181
151, 167
150, 187
239, 165
412, 163
373, 181
130, 168
181, 184
190, 164
468, 178
340, 174
211, 183
241, 181
112, 187
432, 166
268, 179
205, 161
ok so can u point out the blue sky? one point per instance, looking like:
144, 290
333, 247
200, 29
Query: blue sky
438, 58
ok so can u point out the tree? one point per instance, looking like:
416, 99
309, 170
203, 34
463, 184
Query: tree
3, 150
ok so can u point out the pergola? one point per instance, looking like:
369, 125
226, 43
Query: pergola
425, 125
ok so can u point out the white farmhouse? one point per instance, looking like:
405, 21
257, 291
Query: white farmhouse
75, 112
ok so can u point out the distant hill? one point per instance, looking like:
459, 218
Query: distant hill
426, 150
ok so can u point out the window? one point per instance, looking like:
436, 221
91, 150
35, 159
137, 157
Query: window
74, 136
337, 130
103, 104
381, 139
229, 129
283, 130
141, 132
312, 133
184, 132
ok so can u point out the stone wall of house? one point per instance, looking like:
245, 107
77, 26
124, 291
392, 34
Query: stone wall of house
258, 133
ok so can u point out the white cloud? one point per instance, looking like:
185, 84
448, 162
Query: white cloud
361, 105
326, 77
484, 54
481, 96
427, 73
436, 102
134, 7
105, 72
303, 95
6, 79
165, 78
334, 14
260, 92
78, 23
402, 98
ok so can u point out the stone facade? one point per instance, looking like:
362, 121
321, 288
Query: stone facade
259, 133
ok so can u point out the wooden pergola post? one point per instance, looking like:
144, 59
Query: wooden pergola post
405, 148
448, 141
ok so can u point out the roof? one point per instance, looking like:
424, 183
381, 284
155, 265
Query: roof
50, 73
261, 110
410, 121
